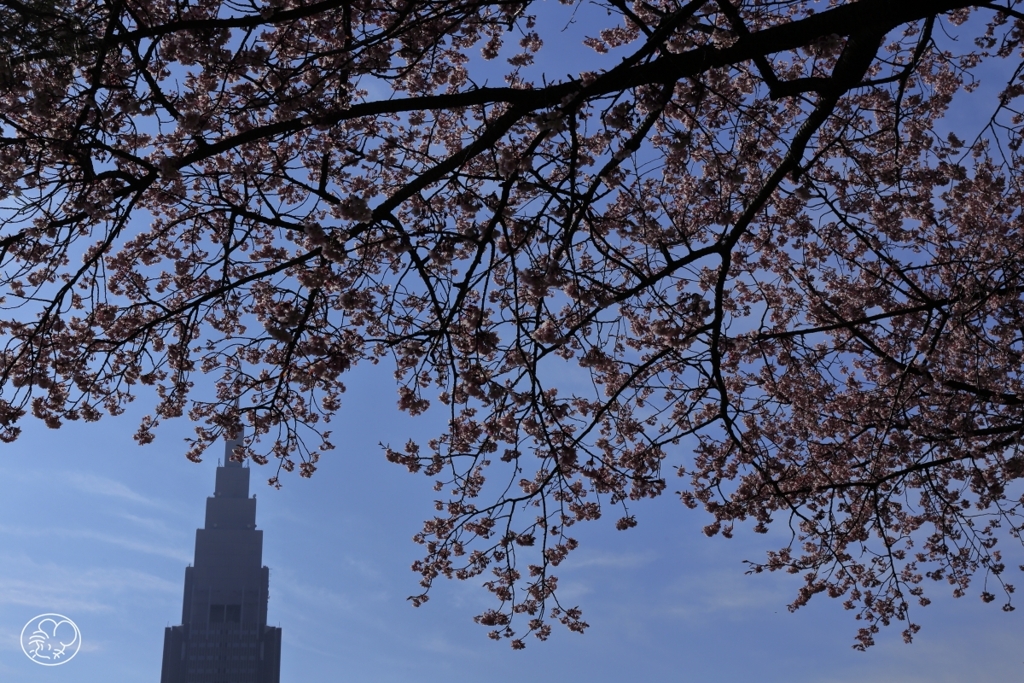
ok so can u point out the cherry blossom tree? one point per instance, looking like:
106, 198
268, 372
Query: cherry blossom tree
748, 257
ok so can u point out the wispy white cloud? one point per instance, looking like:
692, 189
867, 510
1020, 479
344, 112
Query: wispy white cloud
104, 486
582, 559
572, 591
701, 594
316, 596
44, 597
440, 645
52, 587
297, 644
153, 525
173, 551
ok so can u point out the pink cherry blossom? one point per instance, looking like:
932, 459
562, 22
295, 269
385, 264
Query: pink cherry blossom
745, 247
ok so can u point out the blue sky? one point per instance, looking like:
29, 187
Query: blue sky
95, 527
100, 529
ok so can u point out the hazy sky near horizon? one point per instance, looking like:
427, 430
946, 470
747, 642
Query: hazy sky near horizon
100, 529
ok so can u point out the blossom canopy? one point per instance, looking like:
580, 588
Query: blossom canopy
746, 257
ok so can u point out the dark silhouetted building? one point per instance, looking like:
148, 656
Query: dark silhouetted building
224, 637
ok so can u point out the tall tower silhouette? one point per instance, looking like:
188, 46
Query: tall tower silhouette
223, 636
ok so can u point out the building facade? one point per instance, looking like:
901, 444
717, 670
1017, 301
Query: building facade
223, 636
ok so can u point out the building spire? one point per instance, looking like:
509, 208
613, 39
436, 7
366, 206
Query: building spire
232, 442
223, 635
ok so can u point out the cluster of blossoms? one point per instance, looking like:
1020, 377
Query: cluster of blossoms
744, 249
